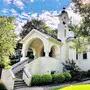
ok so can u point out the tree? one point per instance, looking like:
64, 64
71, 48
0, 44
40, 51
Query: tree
79, 42
7, 40
84, 11
39, 25
33, 24
82, 33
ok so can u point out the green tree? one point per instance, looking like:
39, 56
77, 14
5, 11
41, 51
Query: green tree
33, 24
7, 40
39, 25
83, 32
80, 42
84, 11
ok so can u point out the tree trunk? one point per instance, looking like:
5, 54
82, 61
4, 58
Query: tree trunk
0, 72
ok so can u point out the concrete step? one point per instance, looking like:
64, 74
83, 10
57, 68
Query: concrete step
19, 83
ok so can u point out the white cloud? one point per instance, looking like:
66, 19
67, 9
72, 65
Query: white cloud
5, 11
19, 4
76, 18
8, 1
14, 12
32, 0
34, 15
49, 17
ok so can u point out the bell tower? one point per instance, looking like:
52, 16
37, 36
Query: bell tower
63, 25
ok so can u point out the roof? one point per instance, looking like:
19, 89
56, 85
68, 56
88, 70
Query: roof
54, 37
38, 31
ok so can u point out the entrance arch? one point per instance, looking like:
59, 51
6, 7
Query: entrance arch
36, 47
53, 51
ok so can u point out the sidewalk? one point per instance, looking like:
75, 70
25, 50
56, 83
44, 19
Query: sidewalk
55, 86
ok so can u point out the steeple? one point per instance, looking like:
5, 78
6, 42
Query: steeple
63, 25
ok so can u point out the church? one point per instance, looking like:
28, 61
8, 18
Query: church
48, 53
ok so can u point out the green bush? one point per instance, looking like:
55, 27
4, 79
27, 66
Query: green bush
88, 73
58, 78
13, 62
46, 79
61, 78
76, 76
67, 76
2, 86
54, 78
36, 80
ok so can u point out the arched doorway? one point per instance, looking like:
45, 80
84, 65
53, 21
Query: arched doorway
30, 53
35, 48
53, 51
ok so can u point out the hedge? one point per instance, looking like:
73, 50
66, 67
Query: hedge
67, 76
46, 79
36, 80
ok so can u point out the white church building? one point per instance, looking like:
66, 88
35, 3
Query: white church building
48, 53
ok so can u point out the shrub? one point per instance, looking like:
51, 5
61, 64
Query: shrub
70, 65
36, 80
46, 79
2, 86
54, 78
76, 76
84, 74
60, 78
88, 73
13, 62
67, 76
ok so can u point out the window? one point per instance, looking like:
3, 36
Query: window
76, 56
84, 55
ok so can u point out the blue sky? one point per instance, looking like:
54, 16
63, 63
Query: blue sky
32, 6
25, 10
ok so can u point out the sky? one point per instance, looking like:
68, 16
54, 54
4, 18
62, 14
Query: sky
24, 10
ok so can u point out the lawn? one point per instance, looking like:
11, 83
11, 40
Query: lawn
75, 87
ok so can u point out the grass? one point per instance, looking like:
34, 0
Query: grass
75, 87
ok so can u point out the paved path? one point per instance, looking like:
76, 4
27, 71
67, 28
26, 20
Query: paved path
55, 86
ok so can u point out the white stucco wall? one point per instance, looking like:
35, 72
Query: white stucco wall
84, 64
44, 65
8, 78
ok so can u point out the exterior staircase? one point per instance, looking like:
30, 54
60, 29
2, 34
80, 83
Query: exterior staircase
19, 82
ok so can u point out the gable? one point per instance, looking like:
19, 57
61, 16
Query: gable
37, 34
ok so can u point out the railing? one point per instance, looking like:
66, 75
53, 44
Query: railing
8, 78
20, 65
27, 76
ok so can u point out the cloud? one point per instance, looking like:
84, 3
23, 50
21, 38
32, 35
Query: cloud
8, 1
32, 0
76, 18
48, 16
14, 12
19, 4
5, 11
